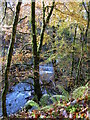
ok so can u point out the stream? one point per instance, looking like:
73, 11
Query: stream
19, 94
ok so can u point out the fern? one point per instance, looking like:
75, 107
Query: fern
64, 92
30, 104
44, 100
79, 92
46, 108
56, 98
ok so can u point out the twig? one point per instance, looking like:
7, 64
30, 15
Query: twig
85, 7
66, 7
44, 26
11, 9
25, 46
22, 19
59, 10
4, 11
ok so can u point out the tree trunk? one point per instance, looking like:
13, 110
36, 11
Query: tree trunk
79, 69
88, 20
56, 75
36, 53
36, 78
37, 88
73, 53
10, 53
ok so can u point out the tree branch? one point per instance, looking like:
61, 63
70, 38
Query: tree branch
59, 10
85, 7
4, 11
25, 46
22, 19
44, 26
49, 15
11, 9
88, 22
44, 13
66, 7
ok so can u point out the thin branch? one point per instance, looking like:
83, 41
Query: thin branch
4, 11
85, 7
59, 10
44, 26
88, 22
66, 7
22, 19
49, 15
25, 46
24, 32
44, 9
70, 13
11, 9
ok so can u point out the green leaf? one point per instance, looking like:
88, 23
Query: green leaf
47, 107
64, 92
31, 103
55, 98
79, 92
44, 100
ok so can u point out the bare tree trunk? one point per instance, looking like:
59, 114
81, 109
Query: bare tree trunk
88, 45
73, 53
36, 53
37, 88
56, 75
10, 53
88, 20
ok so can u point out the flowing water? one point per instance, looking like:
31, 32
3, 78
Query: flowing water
20, 93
